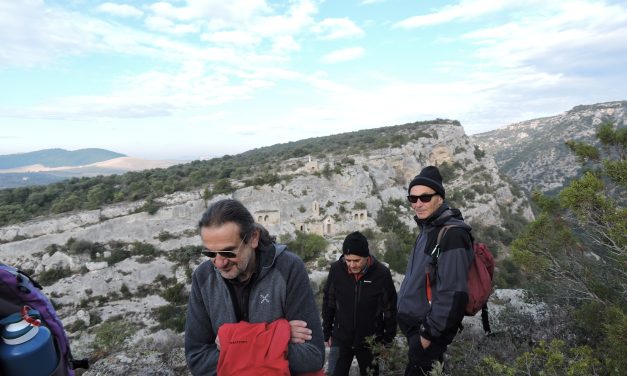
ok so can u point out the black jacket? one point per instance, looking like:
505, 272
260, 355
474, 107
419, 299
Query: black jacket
439, 320
353, 310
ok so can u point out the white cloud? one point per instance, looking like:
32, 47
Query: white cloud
346, 54
121, 10
465, 10
232, 11
574, 35
285, 44
237, 37
336, 28
165, 25
299, 16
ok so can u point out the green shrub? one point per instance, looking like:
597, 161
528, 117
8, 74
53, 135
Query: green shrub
185, 255
165, 235
118, 255
307, 246
171, 317
176, 294
50, 276
359, 205
479, 154
111, 335
76, 326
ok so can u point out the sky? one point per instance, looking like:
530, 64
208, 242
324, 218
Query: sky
189, 79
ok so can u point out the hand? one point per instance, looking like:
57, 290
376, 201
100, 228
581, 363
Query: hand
218, 342
328, 343
299, 333
424, 342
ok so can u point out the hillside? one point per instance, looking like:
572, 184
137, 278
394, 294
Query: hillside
57, 158
144, 249
533, 154
255, 167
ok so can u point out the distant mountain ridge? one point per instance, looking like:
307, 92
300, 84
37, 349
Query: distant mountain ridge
55, 165
533, 152
57, 158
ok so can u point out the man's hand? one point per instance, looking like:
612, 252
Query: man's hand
424, 342
299, 333
329, 342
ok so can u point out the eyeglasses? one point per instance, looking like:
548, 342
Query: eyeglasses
224, 254
423, 198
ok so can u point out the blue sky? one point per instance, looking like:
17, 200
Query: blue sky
184, 79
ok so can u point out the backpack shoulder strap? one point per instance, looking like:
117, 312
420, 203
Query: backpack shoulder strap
443, 232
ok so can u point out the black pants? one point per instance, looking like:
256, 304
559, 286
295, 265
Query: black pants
365, 359
420, 360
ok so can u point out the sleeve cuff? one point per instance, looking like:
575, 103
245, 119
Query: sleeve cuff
425, 333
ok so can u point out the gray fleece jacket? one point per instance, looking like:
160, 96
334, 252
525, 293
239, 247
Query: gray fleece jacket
281, 290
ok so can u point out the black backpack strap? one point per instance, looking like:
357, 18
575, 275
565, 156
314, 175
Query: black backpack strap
484, 319
32, 281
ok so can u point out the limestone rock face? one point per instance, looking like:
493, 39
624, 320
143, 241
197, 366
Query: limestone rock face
533, 152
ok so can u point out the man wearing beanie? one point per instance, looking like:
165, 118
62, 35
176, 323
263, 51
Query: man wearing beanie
430, 323
359, 301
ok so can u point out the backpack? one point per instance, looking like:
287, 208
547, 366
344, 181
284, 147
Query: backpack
255, 349
18, 290
480, 277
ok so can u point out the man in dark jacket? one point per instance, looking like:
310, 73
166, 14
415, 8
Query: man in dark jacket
359, 301
248, 277
430, 323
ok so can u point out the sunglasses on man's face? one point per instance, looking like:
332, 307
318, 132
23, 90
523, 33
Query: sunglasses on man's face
225, 254
423, 198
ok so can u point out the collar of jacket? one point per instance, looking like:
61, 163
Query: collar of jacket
365, 270
441, 215
265, 257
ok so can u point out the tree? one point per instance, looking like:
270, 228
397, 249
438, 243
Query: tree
574, 254
307, 246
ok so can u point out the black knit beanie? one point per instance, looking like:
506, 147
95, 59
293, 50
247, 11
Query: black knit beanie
430, 177
356, 244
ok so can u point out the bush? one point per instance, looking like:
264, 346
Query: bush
50, 276
176, 294
110, 335
184, 255
307, 246
171, 317
118, 255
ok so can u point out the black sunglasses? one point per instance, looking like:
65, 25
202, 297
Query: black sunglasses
225, 254
423, 198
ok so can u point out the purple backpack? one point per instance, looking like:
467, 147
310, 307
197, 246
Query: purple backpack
17, 290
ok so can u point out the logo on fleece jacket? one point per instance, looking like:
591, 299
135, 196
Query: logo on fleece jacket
264, 298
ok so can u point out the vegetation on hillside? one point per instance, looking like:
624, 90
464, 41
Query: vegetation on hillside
573, 257
255, 167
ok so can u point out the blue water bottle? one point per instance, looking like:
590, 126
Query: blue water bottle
26, 348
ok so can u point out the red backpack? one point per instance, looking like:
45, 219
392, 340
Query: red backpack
255, 349
480, 277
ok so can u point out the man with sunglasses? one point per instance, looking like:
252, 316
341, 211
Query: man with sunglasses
248, 277
431, 322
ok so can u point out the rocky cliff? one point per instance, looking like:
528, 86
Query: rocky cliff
533, 152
